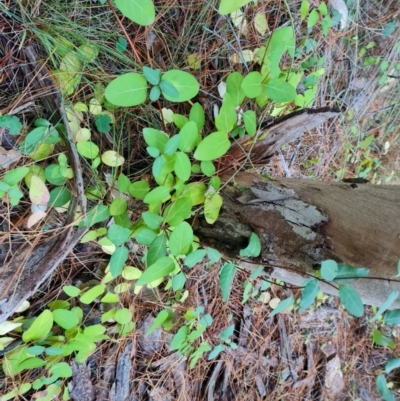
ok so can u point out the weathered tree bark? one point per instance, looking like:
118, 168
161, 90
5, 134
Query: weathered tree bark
302, 222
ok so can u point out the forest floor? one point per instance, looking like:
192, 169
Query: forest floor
323, 354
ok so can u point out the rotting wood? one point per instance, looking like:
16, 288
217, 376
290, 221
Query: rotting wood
273, 136
310, 221
120, 388
81, 387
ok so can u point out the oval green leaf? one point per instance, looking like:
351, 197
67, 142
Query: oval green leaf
181, 239
351, 300
280, 91
40, 327
225, 279
182, 166
127, 90
212, 146
161, 268
251, 84
140, 11
89, 296
184, 83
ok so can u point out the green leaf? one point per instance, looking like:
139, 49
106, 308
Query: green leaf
89, 296
213, 255
179, 120
196, 192
184, 83
392, 317
127, 90
172, 145
188, 137
323, 9
280, 91
181, 239
227, 117
195, 257
152, 220
168, 89
96, 214
53, 175
61, 369
381, 385
283, 305
139, 189
351, 300
153, 76
12, 122
157, 195
178, 281
155, 138
254, 247
118, 206
158, 321
346, 272
157, 250
110, 298
227, 333
380, 339
118, 235
40, 327
88, 149
251, 84
391, 364
123, 316
212, 206
71, 290
329, 269
112, 158
178, 211
212, 146
179, 338
118, 260
31, 363
391, 298
207, 168
161, 268
182, 166
215, 182
102, 123
14, 176
216, 351
313, 18
140, 11
309, 293
197, 115
304, 9
225, 279
121, 44
250, 122
145, 236
234, 88
35, 350
59, 196
155, 93
65, 318
123, 183
229, 6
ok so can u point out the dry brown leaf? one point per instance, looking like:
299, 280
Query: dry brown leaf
8, 157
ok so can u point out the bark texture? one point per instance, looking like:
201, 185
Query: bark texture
302, 222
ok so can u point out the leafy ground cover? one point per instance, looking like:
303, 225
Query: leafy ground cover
190, 340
